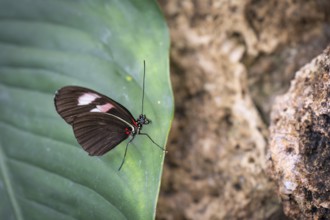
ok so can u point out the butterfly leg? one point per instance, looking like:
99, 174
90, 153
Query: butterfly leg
122, 163
153, 141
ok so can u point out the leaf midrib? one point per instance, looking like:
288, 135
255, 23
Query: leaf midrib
8, 185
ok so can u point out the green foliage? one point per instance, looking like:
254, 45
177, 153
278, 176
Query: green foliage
99, 44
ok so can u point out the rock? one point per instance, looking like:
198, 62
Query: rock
300, 142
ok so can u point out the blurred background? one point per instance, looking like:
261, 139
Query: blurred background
229, 60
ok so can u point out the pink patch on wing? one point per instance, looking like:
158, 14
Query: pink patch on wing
105, 107
87, 98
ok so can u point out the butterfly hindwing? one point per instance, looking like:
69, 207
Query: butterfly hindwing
72, 101
98, 132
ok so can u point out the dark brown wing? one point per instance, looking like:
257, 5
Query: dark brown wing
71, 101
98, 132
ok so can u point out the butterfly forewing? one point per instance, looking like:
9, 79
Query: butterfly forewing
99, 132
72, 101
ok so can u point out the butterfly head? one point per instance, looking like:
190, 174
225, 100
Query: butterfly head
142, 120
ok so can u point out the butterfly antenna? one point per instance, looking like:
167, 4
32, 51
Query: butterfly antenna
144, 77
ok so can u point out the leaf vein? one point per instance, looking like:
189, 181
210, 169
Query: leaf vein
28, 163
5, 173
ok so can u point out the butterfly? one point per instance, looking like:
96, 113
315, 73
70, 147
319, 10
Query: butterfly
99, 123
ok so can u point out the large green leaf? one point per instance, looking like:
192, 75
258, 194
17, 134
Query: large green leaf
99, 44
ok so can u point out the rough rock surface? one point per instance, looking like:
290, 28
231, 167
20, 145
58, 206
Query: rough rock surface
300, 142
229, 59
